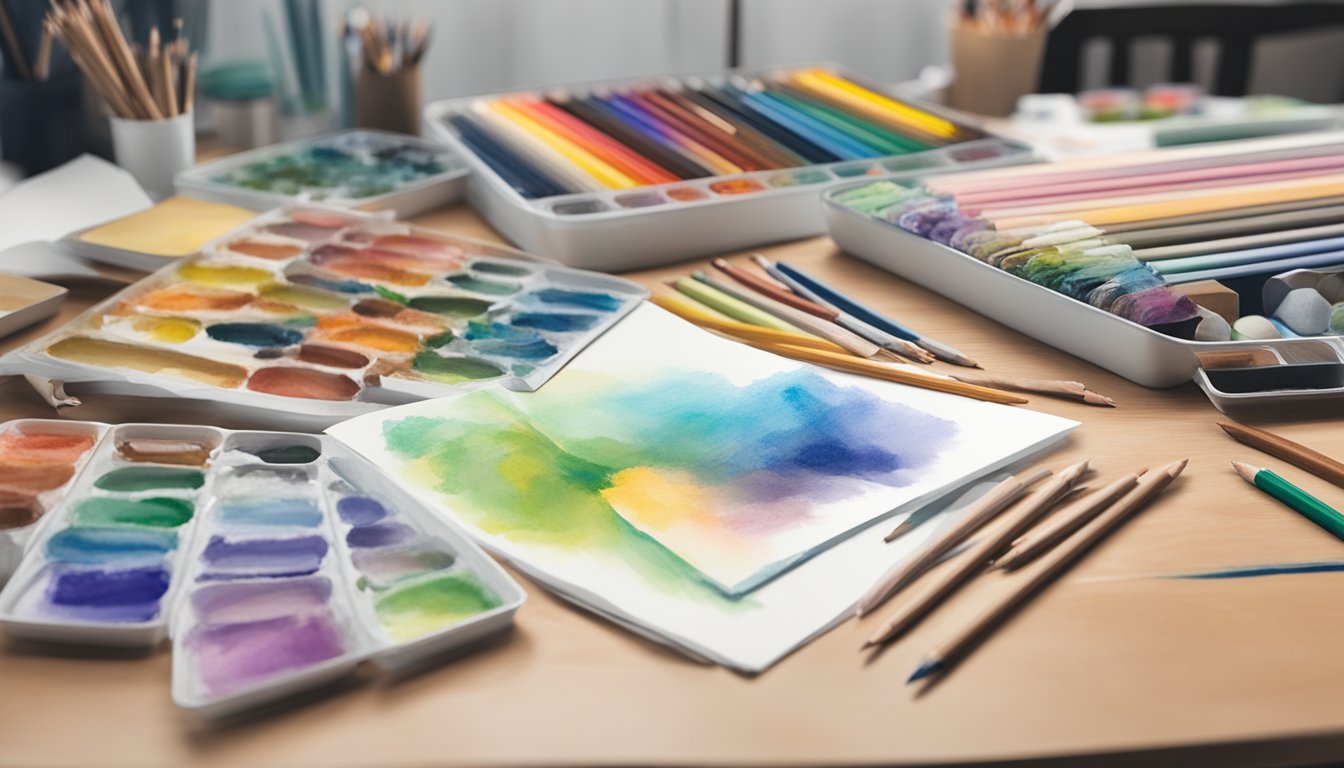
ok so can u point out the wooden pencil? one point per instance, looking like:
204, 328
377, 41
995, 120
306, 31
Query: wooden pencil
9, 37
1296, 454
968, 565
851, 364
1065, 522
771, 290
959, 645
42, 66
1293, 497
981, 511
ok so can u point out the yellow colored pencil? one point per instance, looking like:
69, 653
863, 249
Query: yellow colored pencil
708, 318
591, 164
873, 103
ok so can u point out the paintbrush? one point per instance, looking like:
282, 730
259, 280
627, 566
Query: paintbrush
1060, 560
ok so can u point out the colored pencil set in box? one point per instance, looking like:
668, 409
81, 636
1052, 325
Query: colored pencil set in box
1117, 231
280, 561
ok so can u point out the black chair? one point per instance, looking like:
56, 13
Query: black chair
1235, 27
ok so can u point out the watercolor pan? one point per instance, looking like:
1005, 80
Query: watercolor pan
1140, 354
251, 622
341, 313
46, 447
24, 301
405, 174
161, 234
687, 217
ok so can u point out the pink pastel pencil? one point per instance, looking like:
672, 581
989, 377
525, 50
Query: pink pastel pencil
1049, 192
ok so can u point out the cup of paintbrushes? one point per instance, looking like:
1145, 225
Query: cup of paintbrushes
389, 102
153, 151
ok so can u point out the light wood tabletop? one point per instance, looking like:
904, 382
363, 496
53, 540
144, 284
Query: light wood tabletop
1114, 660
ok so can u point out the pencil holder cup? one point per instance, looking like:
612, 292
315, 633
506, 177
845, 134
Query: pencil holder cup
42, 123
153, 151
992, 69
389, 102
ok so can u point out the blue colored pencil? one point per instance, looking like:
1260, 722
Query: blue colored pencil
638, 119
712, 98
833, 297
523, 176
838, 144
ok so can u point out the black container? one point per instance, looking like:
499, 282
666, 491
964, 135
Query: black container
42, 123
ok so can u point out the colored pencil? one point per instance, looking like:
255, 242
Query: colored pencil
947, 654
1296, 454
713, 98
871, 317
896, 374
813, 325
1065, 523
636, 141
972, 562
525, 178
773, 290
722, 302
13, 46
1294, 498
980, 512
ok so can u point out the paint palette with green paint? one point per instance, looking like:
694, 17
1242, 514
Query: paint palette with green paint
280, 561
313, 315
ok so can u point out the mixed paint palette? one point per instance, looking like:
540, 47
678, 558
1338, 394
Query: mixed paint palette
38, 463
275, 561
690, 125
317, 314
369, 170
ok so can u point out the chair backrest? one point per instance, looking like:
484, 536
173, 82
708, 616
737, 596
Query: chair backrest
1235, 27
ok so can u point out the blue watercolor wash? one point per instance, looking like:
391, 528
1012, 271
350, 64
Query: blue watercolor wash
270, 512
338, 286
228, 559
379, 535
598, 301
559, 323
108, 596
255, 334
507, 341
108, 546
360, 510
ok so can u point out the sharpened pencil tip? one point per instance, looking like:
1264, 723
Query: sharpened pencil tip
925, 669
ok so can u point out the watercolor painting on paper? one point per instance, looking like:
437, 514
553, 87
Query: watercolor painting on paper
667, 477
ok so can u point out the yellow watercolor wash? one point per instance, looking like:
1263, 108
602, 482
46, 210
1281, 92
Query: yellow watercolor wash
659, 498
307, 298
224, 275
116, 354
167, 330
176, 227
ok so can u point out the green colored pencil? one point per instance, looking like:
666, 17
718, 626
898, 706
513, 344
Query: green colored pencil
738, 310
1297, 499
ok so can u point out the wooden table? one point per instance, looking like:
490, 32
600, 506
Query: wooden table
1112, 661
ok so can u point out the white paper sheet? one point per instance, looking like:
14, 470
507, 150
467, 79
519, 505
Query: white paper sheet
521, 502
79, 194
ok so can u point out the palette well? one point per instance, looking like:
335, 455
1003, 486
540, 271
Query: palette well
689, 165
275, 561
165, 232
364, 169
312, 315
39, 459
24, 301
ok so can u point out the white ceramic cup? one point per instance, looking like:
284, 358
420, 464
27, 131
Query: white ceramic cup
153, 151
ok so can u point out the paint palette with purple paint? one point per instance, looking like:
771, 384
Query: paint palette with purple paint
313, 315
275, 561
103, 567
39, 459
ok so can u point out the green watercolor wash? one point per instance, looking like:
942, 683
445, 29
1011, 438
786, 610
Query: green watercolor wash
149, 513
391, 295
453, 370
504, 270
481, 285
440, 340
424, 607
510, 480
456, 306
137, 479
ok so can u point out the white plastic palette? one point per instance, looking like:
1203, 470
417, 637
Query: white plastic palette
309, 316
407, 175
1140, 354
286, 563
684, 219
